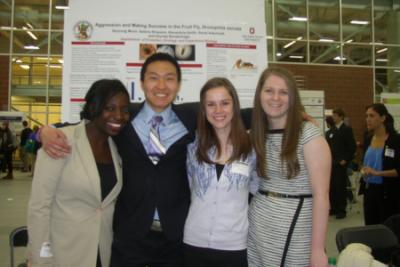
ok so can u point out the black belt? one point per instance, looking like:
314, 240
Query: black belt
275, 194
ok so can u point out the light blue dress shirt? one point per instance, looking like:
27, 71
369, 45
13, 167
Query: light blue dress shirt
171, 128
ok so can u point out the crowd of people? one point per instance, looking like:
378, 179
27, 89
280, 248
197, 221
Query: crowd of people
198, 184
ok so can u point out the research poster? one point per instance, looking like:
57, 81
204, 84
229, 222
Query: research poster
207, 43
392, 103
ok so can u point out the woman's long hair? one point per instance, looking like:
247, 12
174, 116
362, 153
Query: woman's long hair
207, 137
293, 126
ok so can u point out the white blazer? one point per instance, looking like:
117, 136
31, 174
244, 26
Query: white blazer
68, 223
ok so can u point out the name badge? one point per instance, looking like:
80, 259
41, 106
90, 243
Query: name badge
389, 152
45, 251
241, 168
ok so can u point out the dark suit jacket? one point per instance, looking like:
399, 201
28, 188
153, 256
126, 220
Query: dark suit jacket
147, 186
342, 144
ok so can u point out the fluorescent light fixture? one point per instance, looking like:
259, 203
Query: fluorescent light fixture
29, 25
359, 22
297, 57
61, 61
381, 60
382, 50
338, 58
289, 44
31, 47
278, 54
298, 19
62, 7
299, 38
325, 40
349, 41
269, 37
19, 61
30, 33
397, 71
54, 66
25, 67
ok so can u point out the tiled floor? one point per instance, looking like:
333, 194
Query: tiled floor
14, 195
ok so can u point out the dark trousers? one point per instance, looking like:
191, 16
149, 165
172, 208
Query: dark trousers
338, 189
205, 257
8, 161
374, 204
152, 251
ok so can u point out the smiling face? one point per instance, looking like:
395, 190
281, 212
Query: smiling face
218, 105
275, 101
114, 115
160, 85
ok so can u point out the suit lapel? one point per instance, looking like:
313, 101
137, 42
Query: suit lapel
86, 157
118, 172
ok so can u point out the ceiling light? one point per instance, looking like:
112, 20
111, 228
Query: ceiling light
349, 41
31, 47
54, 66
396, 70
298, 57
18, 61
289, 44
29, 25
381, 60
25, 67
61, 61
338, 58
269, 37
62, 4
298, 19
299, 38
325, 40
278, 54
359, 22
30, 33
382, 50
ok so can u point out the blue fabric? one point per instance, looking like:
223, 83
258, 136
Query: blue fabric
171, 129
373, 159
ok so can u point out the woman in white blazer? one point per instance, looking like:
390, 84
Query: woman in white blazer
220, 166
72, 199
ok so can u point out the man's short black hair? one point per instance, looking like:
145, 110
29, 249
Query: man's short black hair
99, 94
160, 57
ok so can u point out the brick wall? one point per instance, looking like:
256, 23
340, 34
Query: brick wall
4, 76
348, 87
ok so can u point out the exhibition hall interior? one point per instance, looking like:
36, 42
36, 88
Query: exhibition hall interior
349, 49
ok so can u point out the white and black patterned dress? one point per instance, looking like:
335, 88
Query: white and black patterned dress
270, 217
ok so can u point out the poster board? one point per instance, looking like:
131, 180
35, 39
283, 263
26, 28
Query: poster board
113, 40
392, 103
314, 104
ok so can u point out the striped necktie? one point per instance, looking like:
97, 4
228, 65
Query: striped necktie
156, 148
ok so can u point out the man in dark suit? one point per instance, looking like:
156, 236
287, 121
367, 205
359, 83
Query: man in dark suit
341, 141
154, 202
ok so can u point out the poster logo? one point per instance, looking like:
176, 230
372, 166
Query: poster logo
252, 30
83, 30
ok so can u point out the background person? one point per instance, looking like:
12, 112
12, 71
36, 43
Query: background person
72, 201
288, 216
8, 146
381, 166
220, 169
25, 133
343, 147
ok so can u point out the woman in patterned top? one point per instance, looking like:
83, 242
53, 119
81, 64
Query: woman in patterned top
288, 216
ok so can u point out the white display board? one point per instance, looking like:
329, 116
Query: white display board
392, 103
111, 39
314, 105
